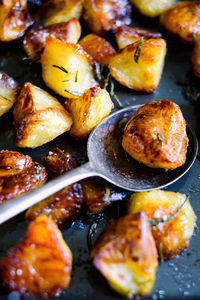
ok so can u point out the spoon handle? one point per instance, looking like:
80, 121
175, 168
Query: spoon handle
19, 204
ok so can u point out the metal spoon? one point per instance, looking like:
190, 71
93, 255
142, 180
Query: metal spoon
108, 160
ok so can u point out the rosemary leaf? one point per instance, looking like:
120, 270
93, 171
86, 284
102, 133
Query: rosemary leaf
161, 252
97, 71
138, 50
76, 76
107, 81
107, 192
61, 68
160, 137
37, 170
112, 93
74, 93
91, 232
5, 98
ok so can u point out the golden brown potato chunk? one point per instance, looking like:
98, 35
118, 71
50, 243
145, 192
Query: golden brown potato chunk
98, 48
58, 11
183, 20
8, 92
39, 265
38, 117
152, 8
102, 16
173, 232
67, 68
35, 38
88, 111
14, 19
196, 58
126, 35
156, 135
126, 255
144, 73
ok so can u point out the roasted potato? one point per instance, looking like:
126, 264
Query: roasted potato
88, 111
8, 92
102, 16
58, 11
38, 117
39, 265
126, 35
156, 135
152, 8
14, 19
67, 68
100, 49
144, 72
196, 58
173, 232
35, 38
126, 255
183, 20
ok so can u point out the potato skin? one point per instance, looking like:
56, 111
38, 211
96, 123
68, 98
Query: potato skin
196, 58
14, 19
100, 49
173, 237
183, 20
156, 135
126, 255
102, 16
36, 36
148, 70
152, 8
39, 265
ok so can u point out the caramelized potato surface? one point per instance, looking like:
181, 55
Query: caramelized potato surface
196, 59
14, 19
172, 236
145, 74
38, 117
35, 38
100, 49
126, 255
152, 8
156, 135
88, 111
39, 265
8, 92
183, 20
67, 68
102, 16
58, 11
126, 35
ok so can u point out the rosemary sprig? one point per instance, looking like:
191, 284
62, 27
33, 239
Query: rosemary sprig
74, 93
91, 231
60, 68
138, 50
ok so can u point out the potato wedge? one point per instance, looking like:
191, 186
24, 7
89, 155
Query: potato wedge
67, 68
152, 8
196, 59
126, 35
171, 235
126, 255
183, 20
58, 11
14, 19
39, 265
156, 135
102, 16
145, 74
100, 49
88, 111
8, 92
35, 38
38, 117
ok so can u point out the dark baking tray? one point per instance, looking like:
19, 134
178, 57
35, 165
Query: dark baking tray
178, 278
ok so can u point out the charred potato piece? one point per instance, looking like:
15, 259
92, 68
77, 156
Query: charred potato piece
35, 38
38, 117
126, 35
144, 73
98, 48
152, 8
58, 11
196, 58
88, 111
126, 255
14, 19
156, 135
183, 20
177, 219
102, 16
8, 92
39, 265
67, 68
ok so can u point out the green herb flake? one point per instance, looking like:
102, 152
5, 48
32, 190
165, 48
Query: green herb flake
60, 68
37, 170
76, 76
107, 192
74, 93
138, 50
160, 137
